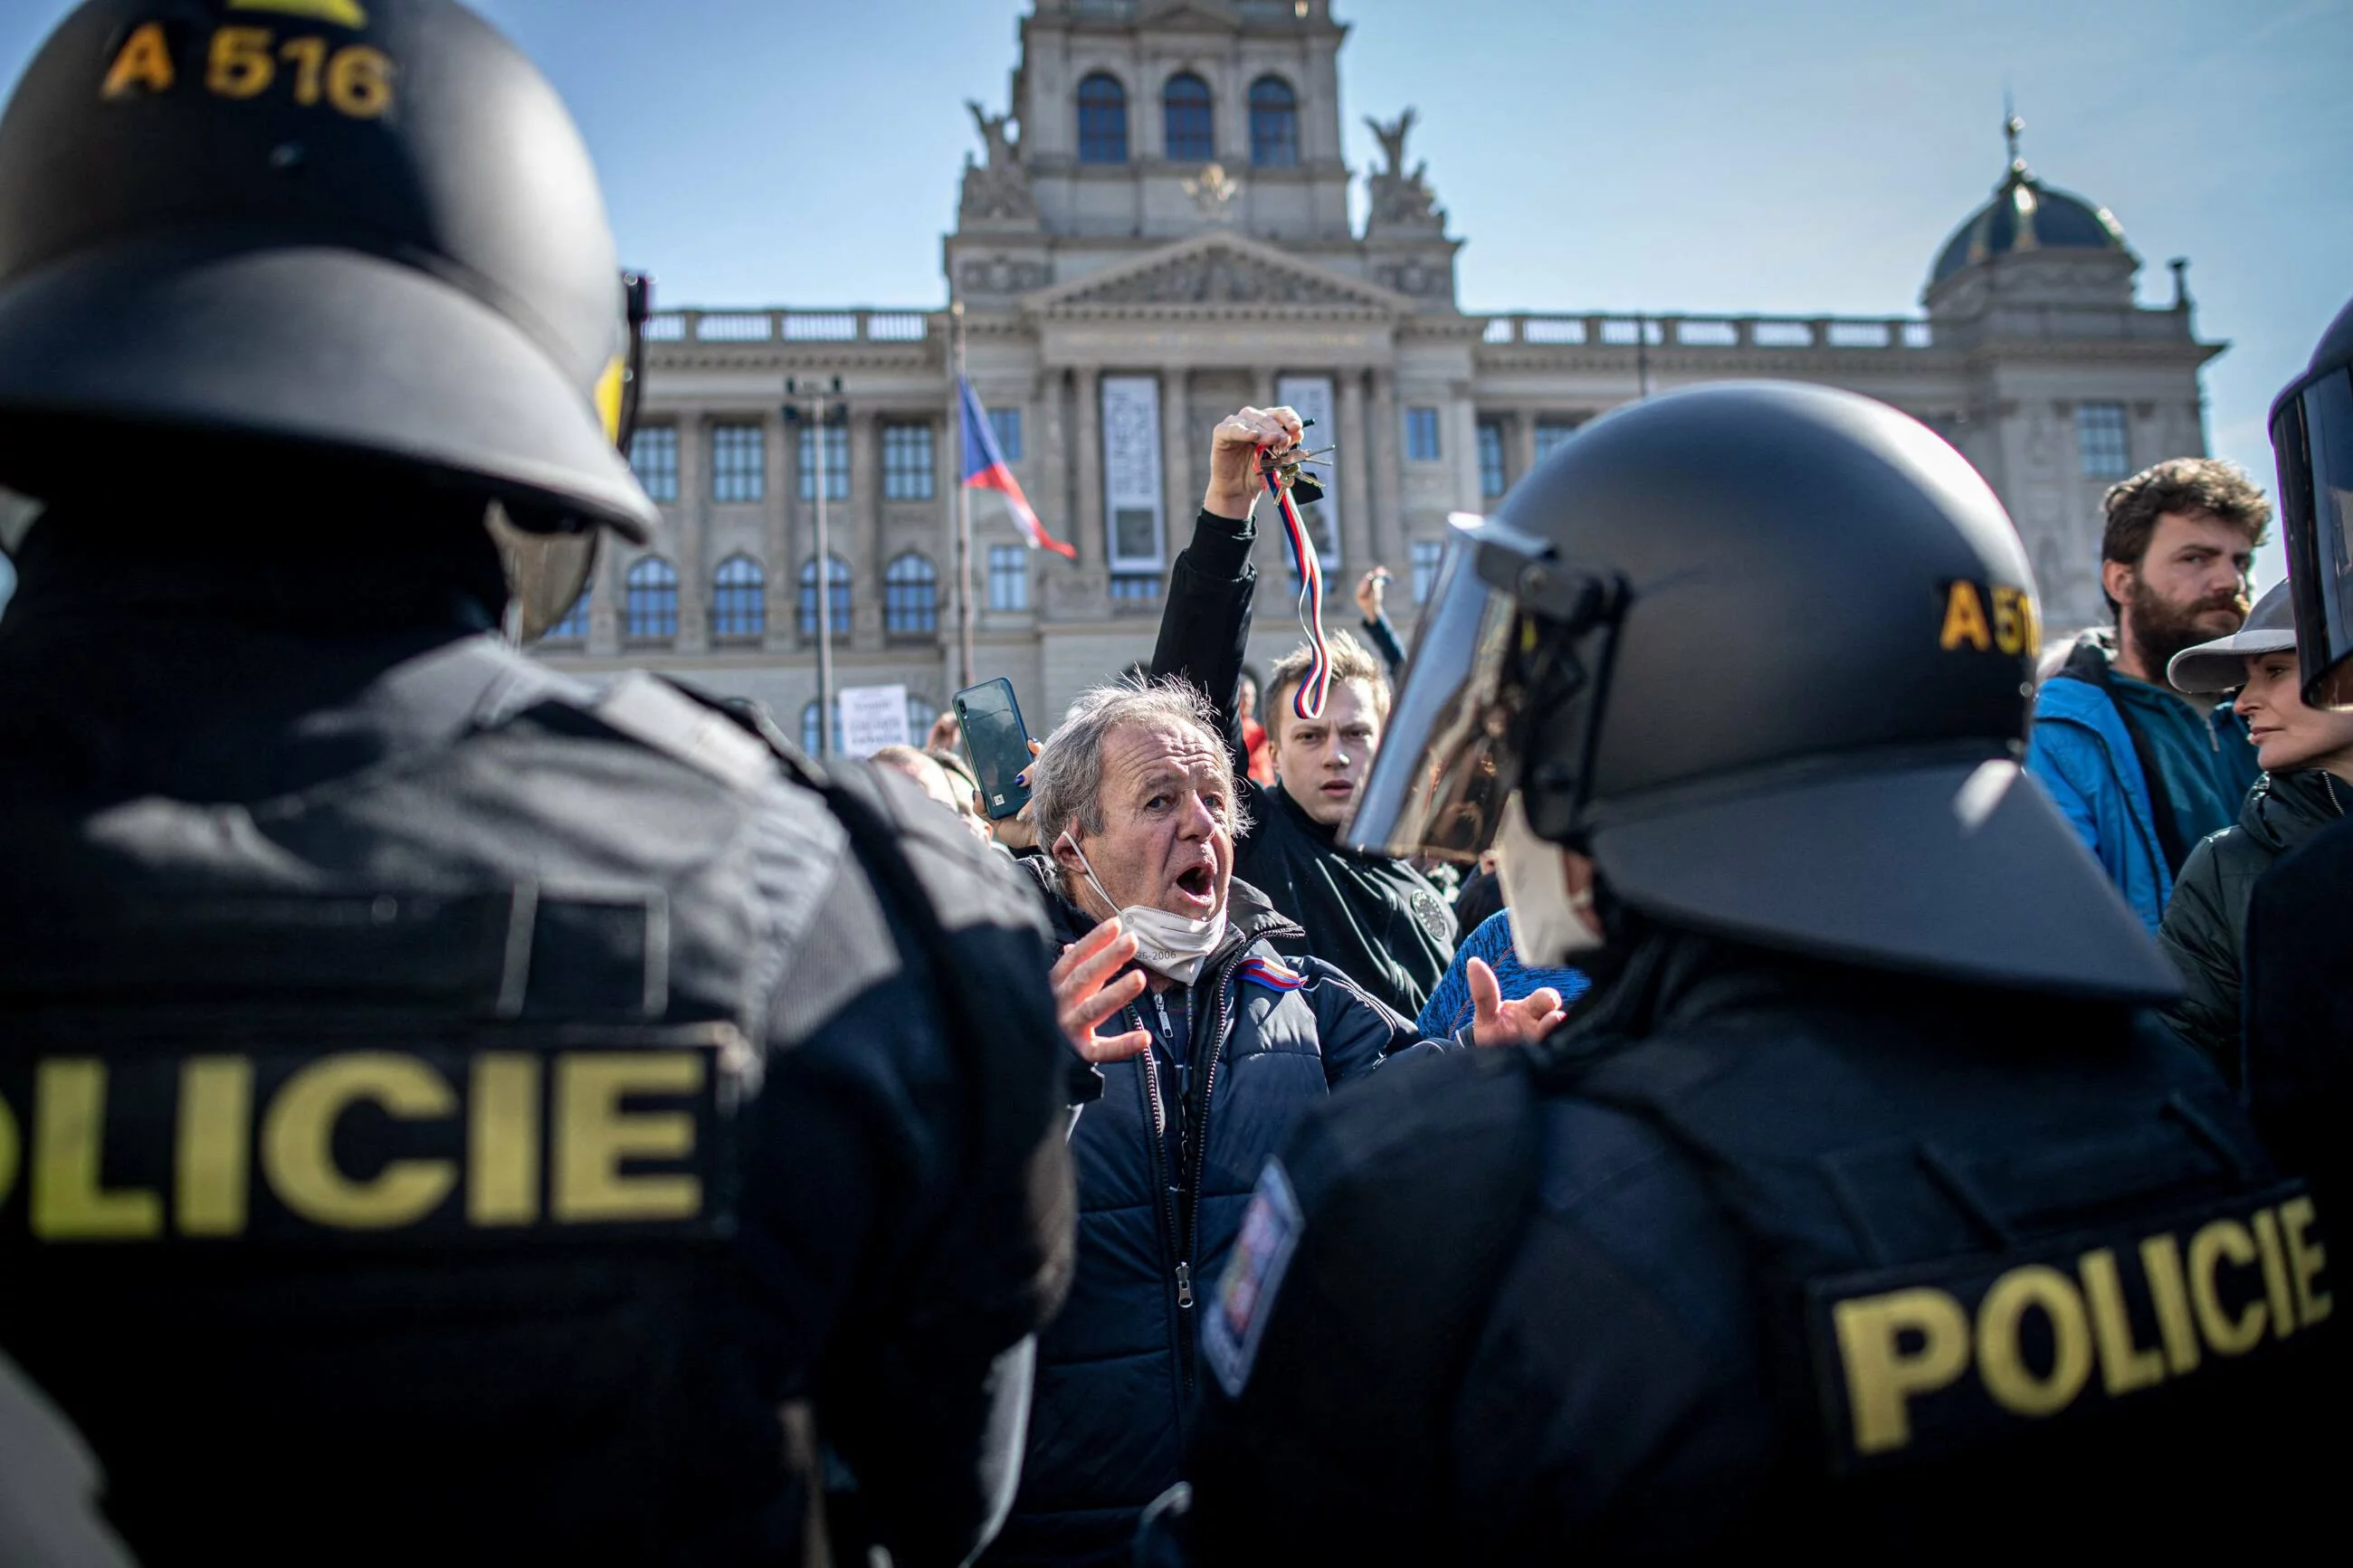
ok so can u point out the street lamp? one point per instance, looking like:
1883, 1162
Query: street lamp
799, 387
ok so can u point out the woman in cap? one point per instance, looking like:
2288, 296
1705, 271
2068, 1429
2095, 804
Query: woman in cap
2308, 759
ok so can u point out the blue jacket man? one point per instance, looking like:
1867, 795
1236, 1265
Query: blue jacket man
2140, 774
2087, 748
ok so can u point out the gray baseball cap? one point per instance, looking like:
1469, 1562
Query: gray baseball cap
2221, 665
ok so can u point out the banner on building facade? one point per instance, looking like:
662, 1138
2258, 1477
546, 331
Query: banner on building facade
1311, 396
1134, 522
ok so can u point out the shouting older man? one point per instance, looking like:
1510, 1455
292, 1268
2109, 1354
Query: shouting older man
1217, 1046
1378, 918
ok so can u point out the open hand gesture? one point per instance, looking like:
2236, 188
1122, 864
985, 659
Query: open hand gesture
1090, 988
1495, 1022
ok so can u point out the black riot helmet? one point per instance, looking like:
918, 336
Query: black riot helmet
2312, 433
267, 231
1764, 652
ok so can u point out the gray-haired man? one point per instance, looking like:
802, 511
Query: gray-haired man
1210, 1046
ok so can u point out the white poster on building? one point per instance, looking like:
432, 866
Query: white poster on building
1133, 516
873, 717
1311, 396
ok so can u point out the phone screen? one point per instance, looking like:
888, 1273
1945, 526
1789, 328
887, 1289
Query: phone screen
997, 744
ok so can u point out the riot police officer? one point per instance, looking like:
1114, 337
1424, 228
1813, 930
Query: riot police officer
1858, 1211
447, 1112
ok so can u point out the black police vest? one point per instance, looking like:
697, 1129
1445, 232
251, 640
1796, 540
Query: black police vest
2003, 1290
374, 1149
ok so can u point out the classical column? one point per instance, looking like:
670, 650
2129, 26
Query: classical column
1362, 542
1523, 446
694, 513
1389, 479
1464, 418
1050, 466
1271, 554
1177, 440
1089, 536
779, 571
865, 543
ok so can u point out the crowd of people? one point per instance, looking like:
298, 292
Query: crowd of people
1593, 1087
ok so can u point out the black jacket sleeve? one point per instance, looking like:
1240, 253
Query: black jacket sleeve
1204, 624
1384, 639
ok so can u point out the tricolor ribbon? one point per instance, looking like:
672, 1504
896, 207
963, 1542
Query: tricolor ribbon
1307, 697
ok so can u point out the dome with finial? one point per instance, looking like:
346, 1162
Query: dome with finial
2026, 214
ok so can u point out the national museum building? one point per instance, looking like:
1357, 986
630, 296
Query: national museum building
1168, 238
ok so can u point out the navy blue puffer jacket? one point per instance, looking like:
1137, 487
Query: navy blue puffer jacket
1272, 1036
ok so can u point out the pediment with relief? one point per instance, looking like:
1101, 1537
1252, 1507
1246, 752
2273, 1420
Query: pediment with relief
1215, 272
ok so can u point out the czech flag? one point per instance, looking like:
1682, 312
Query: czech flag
984, 469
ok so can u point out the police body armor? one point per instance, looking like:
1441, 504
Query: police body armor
2043, 1266
370, 1157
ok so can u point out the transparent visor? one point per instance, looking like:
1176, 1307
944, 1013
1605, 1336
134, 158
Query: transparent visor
547, 570
2312, 431
1501, 618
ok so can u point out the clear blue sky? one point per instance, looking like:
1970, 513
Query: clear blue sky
1807, 157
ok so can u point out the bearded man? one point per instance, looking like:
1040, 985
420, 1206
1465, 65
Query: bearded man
2140, 772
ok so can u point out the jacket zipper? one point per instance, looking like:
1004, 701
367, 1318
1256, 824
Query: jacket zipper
1192, 1232
1160, 1176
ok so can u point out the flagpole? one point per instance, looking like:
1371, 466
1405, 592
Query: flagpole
964, 516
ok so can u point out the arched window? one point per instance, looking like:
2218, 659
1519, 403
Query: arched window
1274, 123
739, 598
1187, 126
651, 610
837, 576
1103, 119
911, 595
808, 727
573, 627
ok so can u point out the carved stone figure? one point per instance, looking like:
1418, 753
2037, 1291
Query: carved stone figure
1400, 200
1391, 137
1001, 275
998, 190
1213, 193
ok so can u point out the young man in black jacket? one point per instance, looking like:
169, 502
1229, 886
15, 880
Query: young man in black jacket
1379, 921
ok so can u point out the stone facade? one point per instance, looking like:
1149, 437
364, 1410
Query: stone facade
1203, 284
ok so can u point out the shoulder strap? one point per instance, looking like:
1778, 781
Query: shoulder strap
2160, 805
1006, 1052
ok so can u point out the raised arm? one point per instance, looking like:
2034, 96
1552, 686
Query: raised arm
1205, 619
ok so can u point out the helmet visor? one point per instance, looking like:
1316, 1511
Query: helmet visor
2312, 431
1500, 613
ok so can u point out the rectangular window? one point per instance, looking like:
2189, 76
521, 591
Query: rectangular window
2103, 441
1421, 435
1007, 425
1426, 553
1551, 433
837, 462
1490, 460
1008, 576
1135, 588
907, 463
653, 453
738, 463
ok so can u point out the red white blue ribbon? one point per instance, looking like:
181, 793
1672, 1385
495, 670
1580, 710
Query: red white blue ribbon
1307, 697
1267, 973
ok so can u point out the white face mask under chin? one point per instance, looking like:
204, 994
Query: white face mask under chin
1550, 923
1165, 943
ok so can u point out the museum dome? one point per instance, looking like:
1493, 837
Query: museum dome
2026, 214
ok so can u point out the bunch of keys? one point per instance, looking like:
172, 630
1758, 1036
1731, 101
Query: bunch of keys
1305, 488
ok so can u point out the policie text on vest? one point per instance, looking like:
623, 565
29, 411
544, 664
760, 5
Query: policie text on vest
392, 1145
